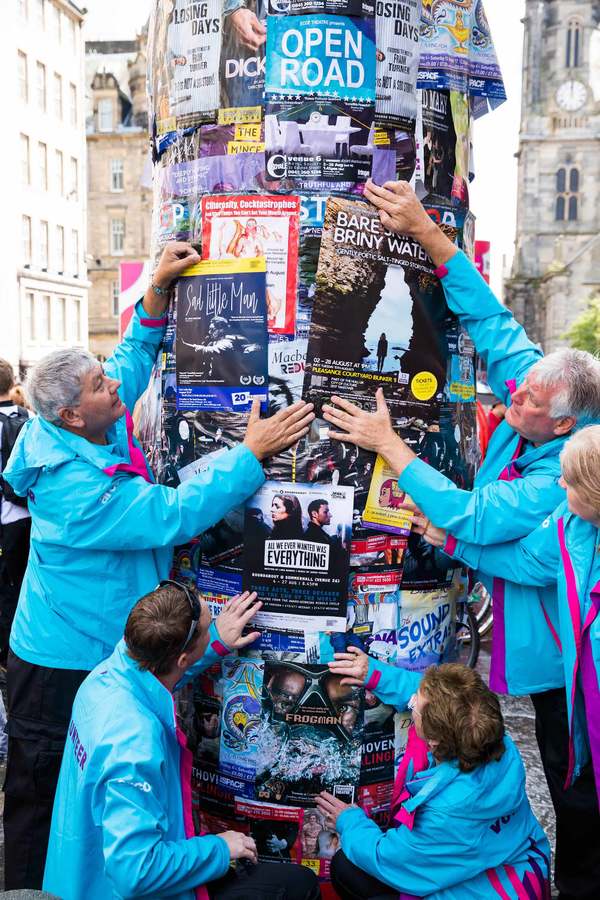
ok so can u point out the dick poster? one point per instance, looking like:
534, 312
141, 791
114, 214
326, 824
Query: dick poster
296, 554
221, 345
242, 227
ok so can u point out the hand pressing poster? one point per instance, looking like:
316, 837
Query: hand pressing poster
296, 554
258, 226
221, 348
378, 318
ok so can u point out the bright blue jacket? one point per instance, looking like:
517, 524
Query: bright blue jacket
511, 495
472, 836
563, 553
102, 536
123, 797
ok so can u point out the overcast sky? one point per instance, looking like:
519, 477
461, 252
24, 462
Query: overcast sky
493, 193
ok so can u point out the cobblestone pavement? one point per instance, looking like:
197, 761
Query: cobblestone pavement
518, 714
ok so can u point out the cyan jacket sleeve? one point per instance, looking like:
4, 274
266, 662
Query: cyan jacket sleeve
138, 860
134, 357
534, 560
498, 511
497, 335
124, 513
213, 655
433, 856
392, 685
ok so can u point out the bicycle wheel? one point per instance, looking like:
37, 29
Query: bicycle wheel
468, 639
482, 608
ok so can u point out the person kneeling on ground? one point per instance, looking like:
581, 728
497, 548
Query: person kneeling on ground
462, 828
122, 820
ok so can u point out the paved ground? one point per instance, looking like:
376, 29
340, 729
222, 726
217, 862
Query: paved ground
518, 714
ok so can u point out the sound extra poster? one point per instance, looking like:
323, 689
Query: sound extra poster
373, 612
242, 69
185, 43
221, 351
331, 7
318, 145
425, 627
240, 725
439, 143
258, 226
310, 736
378, 318
397, 31
296, 554
387, 508
457, 50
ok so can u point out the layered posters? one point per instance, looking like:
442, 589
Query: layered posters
320, 101
397, 30
310, 737
378, 318
457, 51
221, 346
296, 554
438, 146
373, 599
342, 7
246, 226
185, 45
242, 68
388, 508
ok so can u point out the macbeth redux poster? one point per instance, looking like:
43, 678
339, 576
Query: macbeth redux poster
296, 554
378, 317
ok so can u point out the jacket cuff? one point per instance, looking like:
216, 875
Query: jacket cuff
450, 545
144, 327
348, 819
419, 479
255, 470
373, 675
216, 648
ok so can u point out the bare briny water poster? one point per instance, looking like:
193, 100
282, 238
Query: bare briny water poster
296, 554
221, 348
378, 318
253, 226
185, 45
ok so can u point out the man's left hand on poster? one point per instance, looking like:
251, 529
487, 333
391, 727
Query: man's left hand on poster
232, 620
331, 807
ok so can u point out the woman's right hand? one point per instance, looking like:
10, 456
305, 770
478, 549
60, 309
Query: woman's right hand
240, 846
432, 534
264, 437
353, 665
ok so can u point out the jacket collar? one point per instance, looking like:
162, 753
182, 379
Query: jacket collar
143, 685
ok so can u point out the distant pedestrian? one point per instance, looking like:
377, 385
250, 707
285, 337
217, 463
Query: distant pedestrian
382, 350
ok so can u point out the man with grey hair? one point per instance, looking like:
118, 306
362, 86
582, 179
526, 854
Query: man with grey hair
102, 535
516, 488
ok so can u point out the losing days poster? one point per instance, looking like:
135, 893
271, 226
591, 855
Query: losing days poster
378, 317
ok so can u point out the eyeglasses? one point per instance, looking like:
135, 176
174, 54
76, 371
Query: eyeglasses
194, 607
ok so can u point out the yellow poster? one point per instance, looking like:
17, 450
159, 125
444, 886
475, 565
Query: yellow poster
387, 507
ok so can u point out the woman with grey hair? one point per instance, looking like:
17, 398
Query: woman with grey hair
102, 535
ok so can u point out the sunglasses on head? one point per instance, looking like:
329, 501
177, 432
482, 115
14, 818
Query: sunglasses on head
194, 607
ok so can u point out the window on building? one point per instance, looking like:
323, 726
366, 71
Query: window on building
40, 12
41, 85
60, 248
23, 9
26, 239
73, 35
25, 160
43, 165
44, 245
105, 115
76, 320
573, 44
23, 78
567, 194
75, 252
57, 23
43, 319
30, 316
73, 179
116, 174
73, 104
60, 172
58, 96
59, 324
115, 298
117, 236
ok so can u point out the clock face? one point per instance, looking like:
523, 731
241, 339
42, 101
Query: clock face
571, 95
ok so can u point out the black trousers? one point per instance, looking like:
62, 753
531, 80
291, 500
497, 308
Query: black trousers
275, 881
39, 711
14, 543
351, 883
577, 857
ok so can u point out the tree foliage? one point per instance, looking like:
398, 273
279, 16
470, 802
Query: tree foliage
584, 334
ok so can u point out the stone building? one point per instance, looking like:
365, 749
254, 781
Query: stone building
119, 183
556, 266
